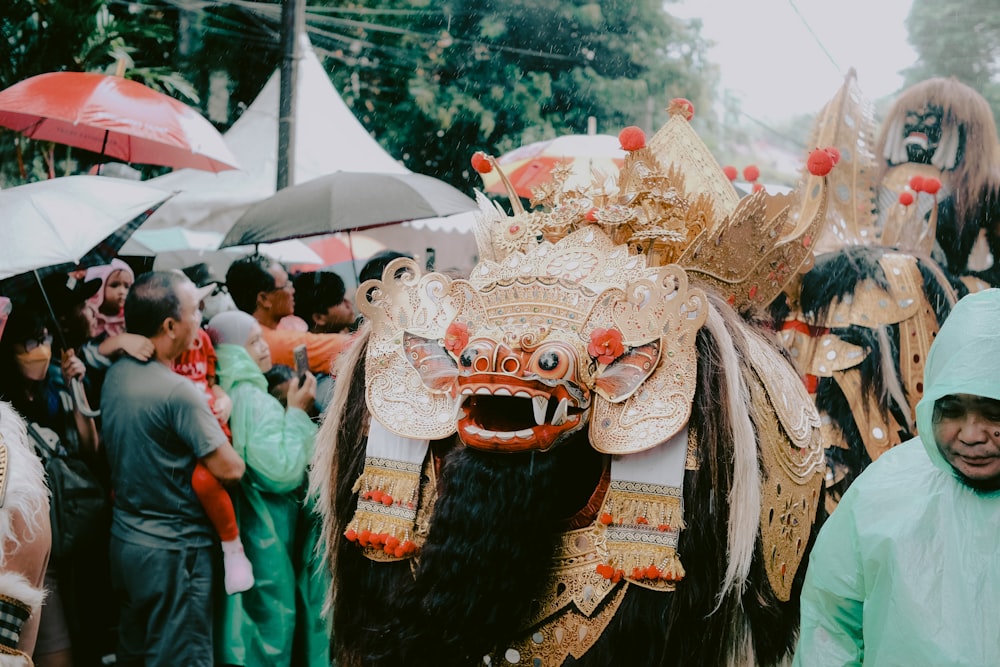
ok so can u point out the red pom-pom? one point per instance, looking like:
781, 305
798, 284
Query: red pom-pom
682, 105
906, 198
391, 542
931, 185
606, 519
480, 163
833, 153
917, 183
819, 163
376, 495
642, 521
364, 537
632, 138
730, 172
351, 535
751, 173
757, 187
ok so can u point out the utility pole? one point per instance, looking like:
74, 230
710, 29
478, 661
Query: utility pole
292, 24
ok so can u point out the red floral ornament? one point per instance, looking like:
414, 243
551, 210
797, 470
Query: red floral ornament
456, 337
917, 183
757, 187
906, 198
730, 172
819, 163
751, 173
632, 138
682, 105
834, 154
605, 345
931, 185
481, 163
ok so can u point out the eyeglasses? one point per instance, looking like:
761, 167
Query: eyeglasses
34, 343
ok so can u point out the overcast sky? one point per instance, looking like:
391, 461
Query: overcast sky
771, 61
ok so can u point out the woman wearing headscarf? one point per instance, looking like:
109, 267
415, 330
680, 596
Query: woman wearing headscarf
257, 627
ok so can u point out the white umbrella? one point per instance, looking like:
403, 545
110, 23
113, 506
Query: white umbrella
179, 247
61, 220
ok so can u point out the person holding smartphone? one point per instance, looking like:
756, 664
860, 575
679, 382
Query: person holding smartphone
276, 442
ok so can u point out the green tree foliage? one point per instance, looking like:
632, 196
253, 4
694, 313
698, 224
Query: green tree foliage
450, 78
959, 38
433, 81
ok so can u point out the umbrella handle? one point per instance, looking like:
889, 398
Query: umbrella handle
80, 399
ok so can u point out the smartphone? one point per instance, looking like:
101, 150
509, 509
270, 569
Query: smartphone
301, 362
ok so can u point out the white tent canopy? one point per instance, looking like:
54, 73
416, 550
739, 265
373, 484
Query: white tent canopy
328, 138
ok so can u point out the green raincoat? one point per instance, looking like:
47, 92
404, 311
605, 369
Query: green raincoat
907, 569
258, 627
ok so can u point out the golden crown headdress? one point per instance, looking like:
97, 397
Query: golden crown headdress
900, 215
674, 204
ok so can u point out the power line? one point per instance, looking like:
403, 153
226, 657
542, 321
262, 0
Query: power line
815, 37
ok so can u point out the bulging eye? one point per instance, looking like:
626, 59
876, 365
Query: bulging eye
477, 355
553, 361
467, 356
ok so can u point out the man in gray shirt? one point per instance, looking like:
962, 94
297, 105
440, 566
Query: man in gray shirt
156, 426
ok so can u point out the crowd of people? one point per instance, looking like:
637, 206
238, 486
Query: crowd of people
178, 399
193, 420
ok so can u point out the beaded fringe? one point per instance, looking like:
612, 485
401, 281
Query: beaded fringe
642, 524
384, 523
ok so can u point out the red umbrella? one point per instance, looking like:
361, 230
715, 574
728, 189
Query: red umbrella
531, 164
115, 117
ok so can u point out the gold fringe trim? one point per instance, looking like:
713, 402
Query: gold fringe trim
384, 524
642, 523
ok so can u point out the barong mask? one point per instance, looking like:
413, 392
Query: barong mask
583, 313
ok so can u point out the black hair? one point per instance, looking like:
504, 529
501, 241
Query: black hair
376, 264
26, 322
316, 292
152, 299
247, 277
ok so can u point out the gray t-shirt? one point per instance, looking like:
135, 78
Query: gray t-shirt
156, 425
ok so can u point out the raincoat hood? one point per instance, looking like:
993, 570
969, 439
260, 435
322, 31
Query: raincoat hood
964, 359
235, 365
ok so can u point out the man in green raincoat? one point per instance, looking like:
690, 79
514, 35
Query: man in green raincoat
907, 569
279, 621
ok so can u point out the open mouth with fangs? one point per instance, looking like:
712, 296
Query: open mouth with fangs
918, 139
517, 415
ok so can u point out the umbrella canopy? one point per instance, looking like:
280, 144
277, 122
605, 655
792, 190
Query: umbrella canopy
178, 247
532, 164
344, 201
63, 220
115, 117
